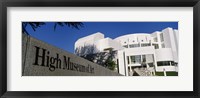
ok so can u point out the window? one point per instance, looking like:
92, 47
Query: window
172, 63
161, 37
143, 58
163, 63
155, 46
144, 45
126, 46
150, 64
134, 45
135, 59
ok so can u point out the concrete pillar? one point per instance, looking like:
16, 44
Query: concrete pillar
129, 57
146, 72
125, 63
140, 44
131, 71
141, 61
154, 73
155, 61
147, 65
164, 72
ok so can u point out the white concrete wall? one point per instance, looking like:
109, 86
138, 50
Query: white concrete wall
157, 34
167, 39
144, 38
128, 39
132, 40
88, 40
107, 43
139, 51
176, 36
171, 41
164, 54
122, 66
99, 42
167, 68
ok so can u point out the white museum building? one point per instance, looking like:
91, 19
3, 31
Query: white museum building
143, 53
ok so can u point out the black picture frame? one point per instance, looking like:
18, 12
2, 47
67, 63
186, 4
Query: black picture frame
99, 3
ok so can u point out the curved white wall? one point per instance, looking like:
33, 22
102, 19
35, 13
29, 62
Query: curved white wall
133, 38
108, 43
99, 42
89, 40
164, 54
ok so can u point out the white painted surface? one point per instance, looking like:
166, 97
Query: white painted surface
164, 54
98, 40
139, 51
122, 67
167, 68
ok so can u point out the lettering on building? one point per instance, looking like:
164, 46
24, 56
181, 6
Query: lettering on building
43, 58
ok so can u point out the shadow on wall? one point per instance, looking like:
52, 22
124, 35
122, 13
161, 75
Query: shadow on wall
86, 49
91, 53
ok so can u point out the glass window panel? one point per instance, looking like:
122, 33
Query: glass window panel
143, 58
164, 63
134, 45
126, 46
146, 44
155, 46
136, 59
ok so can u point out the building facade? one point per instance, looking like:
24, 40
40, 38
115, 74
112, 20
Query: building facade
137, 54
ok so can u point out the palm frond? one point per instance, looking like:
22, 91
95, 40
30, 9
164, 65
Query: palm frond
35, 25
76, 25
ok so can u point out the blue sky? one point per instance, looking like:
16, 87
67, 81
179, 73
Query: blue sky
65, 37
